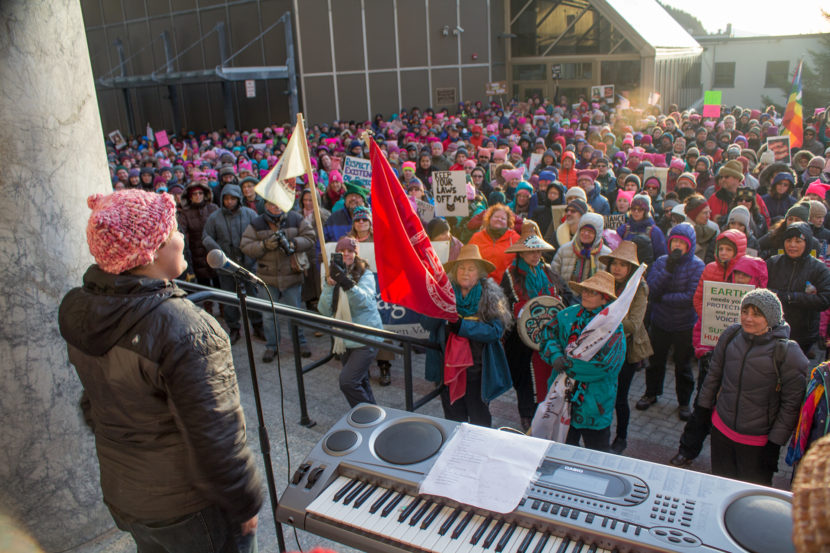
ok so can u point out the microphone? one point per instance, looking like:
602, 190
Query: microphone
219, 261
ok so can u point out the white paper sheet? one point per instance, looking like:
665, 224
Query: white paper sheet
485, 468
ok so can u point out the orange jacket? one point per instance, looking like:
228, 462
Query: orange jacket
493, 250
568, 176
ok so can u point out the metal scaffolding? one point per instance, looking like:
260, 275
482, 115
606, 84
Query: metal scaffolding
225, 74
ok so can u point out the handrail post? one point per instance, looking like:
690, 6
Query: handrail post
407, 376
298, 368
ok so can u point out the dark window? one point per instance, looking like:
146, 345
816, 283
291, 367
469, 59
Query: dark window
692, 77
724, 75
778, 73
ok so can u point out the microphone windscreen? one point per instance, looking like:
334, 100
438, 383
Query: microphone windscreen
216, 259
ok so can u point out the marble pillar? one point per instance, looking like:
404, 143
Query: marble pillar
52, 157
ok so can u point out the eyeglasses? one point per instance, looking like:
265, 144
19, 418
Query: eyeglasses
636, 208
361, 220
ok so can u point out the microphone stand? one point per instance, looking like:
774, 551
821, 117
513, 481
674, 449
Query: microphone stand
264, 441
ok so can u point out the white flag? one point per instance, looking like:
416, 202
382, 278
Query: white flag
597, 332
274, 187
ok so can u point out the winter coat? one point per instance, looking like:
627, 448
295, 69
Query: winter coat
779, 205
161, 397
716, 271
363, 303
598, 202
493, 250
543, 215
742, 380
595, 390
495, 374
788, 279
273, 266
224, 228
566, 258
637, 342
192, 219
646, 227
671, 293
568, 176
338, 225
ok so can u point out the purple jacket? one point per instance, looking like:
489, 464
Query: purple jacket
671, 293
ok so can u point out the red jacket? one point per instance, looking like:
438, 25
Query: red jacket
716, 271
568, 176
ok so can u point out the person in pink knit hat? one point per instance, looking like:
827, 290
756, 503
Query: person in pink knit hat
160, 392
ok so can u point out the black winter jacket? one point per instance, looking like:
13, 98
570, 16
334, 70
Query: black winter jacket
741, 384
161, 397
788, 279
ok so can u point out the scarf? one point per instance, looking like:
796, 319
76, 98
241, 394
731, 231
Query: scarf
467, 306
536, 279
273, 219
586, 260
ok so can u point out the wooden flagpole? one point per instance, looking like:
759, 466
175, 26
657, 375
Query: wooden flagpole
314, 200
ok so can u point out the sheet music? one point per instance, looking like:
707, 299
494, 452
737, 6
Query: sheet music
485, 468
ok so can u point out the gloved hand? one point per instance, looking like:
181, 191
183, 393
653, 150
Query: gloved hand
343, 280
770, 455
673, 260
454, 326
560, 364
271, 243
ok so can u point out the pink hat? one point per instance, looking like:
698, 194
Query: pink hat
510, 174
408, 165
469, 164
516, 150
627, 195
677, 163
587, 174
499, 155
126, 228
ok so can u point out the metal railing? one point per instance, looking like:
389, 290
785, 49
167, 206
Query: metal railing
403, 345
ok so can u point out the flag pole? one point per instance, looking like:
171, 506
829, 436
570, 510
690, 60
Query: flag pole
314, 201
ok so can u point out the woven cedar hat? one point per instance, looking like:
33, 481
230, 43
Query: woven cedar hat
602, 282
470, 253
626, 251
530, 240
811, 495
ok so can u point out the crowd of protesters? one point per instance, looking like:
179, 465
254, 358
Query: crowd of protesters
727, 211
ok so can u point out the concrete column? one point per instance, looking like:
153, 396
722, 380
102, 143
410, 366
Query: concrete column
52, 157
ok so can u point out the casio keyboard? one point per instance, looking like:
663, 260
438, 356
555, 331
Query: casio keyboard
359, 486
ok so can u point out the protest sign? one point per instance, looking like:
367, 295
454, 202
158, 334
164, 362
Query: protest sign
662, 173
250, 88
534, 161
450, 189
426, 211
161, 139
653, 98
780, 147
615, 221
711, 103
557, 214
556, 71
357, 171
721, 308
496, 88
117, 139
608, 93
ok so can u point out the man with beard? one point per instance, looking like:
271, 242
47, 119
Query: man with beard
340, 222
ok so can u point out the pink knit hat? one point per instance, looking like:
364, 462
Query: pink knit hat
126, 228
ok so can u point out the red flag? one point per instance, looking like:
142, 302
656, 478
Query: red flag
409, 271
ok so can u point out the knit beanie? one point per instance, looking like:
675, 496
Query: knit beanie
694, 206
126, 228
732, 168
767, 303
627, 195
817, 161
361, 212
688, 177
739, 214
579, 205
693, 150
817, 209
576, 193
347, 243
633, 178
801, 211
408, 166
643, 201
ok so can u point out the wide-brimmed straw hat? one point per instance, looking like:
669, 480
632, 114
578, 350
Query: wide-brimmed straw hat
470, 253
530, 240
626, 251
601, 282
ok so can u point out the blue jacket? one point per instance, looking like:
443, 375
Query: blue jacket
495, 374
648, 228
598, 202
363, 304
596, 379
338, 225
671, 293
